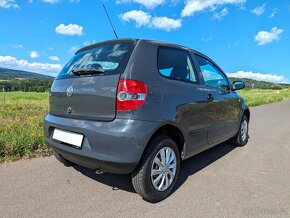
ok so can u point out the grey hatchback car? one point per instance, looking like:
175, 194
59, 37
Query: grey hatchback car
140, 107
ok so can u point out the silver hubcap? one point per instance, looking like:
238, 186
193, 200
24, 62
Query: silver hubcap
244, 130
163, 169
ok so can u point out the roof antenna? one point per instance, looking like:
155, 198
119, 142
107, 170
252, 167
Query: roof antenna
109, 20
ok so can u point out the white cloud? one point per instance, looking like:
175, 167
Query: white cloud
233, 45
43, 68
165, 23
259, 76
220, 15
264, 37
275, 11
142, 18
259, 10
54, 58
17, 46
208, 39
70, 29
87, 43
34, 54
147, 3
75, 1
73, 49
193, 6
8, 4
50, 1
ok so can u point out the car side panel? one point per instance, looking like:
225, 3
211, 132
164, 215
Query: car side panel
223, 111
223, 114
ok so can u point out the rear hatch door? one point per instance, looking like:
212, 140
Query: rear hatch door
86, 87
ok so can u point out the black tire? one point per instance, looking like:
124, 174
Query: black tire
141, 176
238, 140
62, 160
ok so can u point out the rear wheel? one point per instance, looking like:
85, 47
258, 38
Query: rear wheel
158, 170
242, 137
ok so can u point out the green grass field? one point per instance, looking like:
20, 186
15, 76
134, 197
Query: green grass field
21, 134
258, 97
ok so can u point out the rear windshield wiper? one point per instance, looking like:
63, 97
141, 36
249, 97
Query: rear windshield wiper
86, 71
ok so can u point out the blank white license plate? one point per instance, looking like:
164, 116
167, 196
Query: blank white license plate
68, 137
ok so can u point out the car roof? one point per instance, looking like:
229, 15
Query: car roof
156, 42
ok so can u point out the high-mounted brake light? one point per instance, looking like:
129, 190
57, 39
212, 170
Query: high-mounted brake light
131, 94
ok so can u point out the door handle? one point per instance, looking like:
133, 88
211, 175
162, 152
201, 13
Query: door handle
210, 97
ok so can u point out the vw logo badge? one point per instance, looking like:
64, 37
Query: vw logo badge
69, 110
69, 91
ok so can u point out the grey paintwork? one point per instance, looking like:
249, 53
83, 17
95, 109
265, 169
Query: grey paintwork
120, 137
120, 141
94, 97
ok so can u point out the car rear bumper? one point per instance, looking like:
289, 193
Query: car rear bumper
93, 163
114, 147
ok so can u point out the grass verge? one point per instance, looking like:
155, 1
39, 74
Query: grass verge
21, 134
258, 97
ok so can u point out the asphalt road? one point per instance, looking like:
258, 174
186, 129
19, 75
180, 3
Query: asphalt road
224, 181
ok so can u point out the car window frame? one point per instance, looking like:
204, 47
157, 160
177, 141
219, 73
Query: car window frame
191, 60
214, 64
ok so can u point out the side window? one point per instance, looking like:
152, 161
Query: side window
211, 74
176, 64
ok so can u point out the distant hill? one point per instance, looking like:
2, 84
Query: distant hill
258, 84
6, 74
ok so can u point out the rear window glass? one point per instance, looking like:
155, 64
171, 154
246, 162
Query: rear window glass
112, 58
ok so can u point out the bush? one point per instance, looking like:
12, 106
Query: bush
276, 87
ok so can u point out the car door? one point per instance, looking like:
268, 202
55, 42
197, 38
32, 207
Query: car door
185, 95
222, 108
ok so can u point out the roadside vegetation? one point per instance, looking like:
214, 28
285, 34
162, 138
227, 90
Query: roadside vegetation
21, 134
256, 97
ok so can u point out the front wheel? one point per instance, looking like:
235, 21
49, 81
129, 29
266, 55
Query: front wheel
158, 170
242, 137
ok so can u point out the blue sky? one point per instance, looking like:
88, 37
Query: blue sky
247, 38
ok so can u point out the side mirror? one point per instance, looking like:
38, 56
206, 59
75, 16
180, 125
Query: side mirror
238, 85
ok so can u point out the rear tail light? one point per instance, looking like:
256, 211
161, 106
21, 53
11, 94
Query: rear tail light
131, 95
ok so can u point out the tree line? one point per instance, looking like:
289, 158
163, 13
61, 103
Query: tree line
26, 85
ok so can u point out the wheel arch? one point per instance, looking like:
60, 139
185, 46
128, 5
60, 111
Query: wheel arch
174, 133
247, 113
245, 110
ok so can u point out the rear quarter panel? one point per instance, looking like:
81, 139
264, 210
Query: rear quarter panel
168, 101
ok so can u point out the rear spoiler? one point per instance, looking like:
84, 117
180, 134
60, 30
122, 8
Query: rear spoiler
115, 41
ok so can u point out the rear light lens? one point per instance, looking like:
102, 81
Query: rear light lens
131, 95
